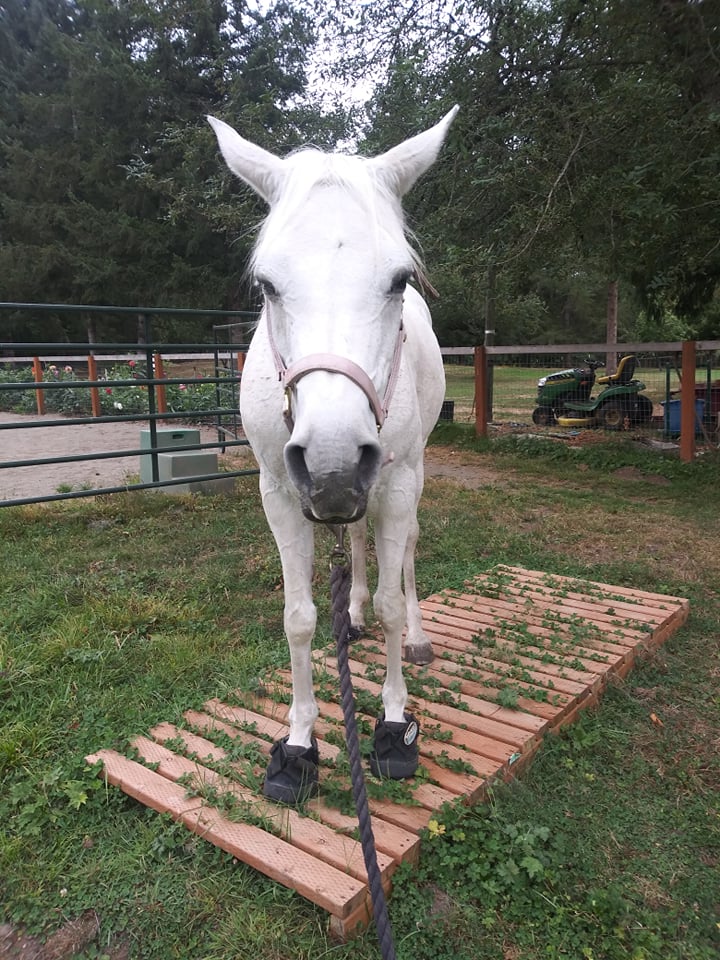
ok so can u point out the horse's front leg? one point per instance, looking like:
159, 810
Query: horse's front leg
359, 594
418, 646
292, 774
395, 750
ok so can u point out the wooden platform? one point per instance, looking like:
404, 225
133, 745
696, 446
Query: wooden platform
518, 653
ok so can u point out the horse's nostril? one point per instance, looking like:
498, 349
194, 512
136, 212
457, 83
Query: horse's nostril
368, 466
297, 467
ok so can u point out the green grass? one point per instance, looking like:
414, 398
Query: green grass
122, 612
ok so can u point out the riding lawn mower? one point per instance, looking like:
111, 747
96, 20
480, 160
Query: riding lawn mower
565, 398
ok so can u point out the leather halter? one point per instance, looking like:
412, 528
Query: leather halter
332, 363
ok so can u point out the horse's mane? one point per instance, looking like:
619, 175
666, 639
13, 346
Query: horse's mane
310, 168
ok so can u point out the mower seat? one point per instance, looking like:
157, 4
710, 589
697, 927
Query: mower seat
623, 374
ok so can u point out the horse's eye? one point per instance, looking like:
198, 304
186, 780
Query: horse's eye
399, 282
267, 288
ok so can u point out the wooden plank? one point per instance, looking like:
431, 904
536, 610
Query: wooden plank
474, 682
337, 849
610, 633
477, 705
397, 841
397, 837
603, 606
426, 795
619, 627
196, 746
485, 718
657, 599
544, 676
532, 637
336, 892
542, 664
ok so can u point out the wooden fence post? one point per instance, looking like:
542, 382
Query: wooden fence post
687, 402
38, 377
94, 392
481, 392
159, 374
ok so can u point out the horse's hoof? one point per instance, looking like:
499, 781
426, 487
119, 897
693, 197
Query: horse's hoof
292, 774
419, 653
354, 633
395, 748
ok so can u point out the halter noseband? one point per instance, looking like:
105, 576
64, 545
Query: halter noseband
332, 363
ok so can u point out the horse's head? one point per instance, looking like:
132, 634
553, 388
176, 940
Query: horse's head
333, 261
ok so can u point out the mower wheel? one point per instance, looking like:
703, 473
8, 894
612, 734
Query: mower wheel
543, 416
612, 414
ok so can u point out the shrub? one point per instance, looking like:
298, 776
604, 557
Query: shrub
131, 397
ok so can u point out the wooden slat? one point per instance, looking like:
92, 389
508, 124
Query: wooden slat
479, 716
396, 841
552, 670
608, 634
556, 641
533, 638
330, 889
474, 681
475, 705
336, 849
601, 591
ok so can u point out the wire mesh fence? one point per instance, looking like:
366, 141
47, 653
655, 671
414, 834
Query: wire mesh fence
569, 388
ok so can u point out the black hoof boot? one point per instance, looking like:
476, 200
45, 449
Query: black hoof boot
292, 774
395, 750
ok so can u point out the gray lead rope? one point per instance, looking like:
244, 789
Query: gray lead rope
340, 581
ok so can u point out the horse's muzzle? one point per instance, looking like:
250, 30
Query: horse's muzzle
338, 495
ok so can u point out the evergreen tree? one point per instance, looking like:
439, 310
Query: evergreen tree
111, 191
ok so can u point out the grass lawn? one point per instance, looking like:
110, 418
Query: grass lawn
118, 613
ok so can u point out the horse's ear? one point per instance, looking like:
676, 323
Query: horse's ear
404, 164
261, 170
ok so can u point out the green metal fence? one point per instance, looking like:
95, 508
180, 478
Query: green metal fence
104, 384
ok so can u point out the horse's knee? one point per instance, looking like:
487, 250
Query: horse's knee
390, 610
300, 621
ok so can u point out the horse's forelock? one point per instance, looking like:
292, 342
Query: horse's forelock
311, 168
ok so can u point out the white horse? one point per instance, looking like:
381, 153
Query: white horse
342, 384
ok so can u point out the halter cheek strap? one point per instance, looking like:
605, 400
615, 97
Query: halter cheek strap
332, 363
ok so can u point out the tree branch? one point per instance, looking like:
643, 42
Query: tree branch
546, 207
